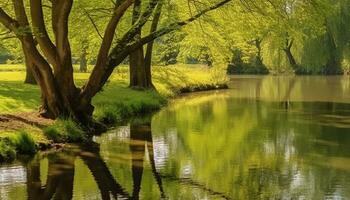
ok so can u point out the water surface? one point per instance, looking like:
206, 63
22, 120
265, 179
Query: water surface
266, 138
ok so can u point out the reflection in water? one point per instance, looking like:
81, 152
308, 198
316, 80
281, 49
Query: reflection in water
59, 184
141, 136
60, 176
267, 138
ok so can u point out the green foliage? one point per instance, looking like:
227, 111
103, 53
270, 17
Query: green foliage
20, 142
7, 150
126, 103
24, 143
65, 130
114, 104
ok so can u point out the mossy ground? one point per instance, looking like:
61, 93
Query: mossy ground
115, 103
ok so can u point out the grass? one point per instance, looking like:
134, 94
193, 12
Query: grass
20, 143
64, 130
115, 103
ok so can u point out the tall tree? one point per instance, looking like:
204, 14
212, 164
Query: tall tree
15, 53
52, 65
140, 63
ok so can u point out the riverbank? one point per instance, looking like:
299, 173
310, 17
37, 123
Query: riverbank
23, 132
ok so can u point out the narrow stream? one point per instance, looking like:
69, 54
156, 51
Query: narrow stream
268, 137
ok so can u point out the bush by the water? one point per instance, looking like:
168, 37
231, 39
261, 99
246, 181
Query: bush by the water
114, 104
20, 142
7, 150
24, 143
244, 68
324, 70
65, 130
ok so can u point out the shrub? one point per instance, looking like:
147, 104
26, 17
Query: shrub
65, 130
24, 143
7, 150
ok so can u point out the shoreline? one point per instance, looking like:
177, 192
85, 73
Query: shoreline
58, 133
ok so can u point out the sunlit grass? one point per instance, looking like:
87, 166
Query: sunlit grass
16, 97
114, 103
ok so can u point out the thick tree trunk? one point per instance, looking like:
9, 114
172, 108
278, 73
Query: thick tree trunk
137, 63
52, 65
29, 75
140, 63
30, 79
138, 77
149, 49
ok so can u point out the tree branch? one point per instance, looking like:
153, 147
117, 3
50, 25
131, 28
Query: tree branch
40, 32
7, 21
93, 23
172, 27
100, 76
109, 32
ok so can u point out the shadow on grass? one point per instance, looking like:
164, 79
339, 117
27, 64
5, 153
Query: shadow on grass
18, 97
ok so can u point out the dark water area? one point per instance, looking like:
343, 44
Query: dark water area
265, 138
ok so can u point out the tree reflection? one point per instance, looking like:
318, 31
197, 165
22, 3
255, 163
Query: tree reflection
141, 138
60, 176
102, 175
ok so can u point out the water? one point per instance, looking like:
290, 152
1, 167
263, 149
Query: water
266, 138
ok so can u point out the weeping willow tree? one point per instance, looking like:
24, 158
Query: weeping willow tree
329, 53
300, 36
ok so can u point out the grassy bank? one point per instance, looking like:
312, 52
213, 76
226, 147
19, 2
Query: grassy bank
114, 104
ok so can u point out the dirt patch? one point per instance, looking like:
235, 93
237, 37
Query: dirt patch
19, 121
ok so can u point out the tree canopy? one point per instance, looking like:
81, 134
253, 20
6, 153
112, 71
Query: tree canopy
304, 36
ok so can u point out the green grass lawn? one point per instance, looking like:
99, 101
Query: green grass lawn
16, 97
115, 103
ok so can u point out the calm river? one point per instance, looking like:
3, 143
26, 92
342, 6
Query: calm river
267, 137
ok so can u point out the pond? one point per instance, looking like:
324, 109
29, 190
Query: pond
268, 137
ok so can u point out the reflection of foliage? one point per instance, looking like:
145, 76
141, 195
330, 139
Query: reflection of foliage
252, 150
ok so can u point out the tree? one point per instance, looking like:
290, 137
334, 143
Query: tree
52, 65
14, 53
140, 63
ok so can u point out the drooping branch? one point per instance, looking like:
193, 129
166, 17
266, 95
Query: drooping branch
152, 36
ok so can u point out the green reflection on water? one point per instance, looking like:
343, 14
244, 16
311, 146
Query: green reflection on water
267, 138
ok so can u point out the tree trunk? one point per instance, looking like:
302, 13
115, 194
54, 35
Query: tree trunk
83, 61
30, 79
138, 76
29, 74
291, 59
333, 65
137, 63
140, 64
290, 56
259, 59
149, 50
83, 56
52, 65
